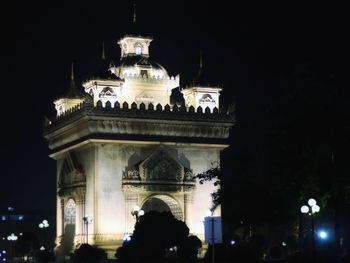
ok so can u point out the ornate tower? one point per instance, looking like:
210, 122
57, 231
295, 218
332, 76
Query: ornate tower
124, 145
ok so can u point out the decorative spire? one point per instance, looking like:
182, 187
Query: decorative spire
134, 17
199, 78
73, 91
103, 51
72, 72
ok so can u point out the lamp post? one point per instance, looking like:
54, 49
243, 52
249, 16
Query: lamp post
12, 238
311, 208
44, 225
87, 220
137, 212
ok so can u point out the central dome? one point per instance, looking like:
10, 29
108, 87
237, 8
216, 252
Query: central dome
135, 59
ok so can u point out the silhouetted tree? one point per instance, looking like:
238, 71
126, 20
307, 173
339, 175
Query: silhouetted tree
188, 250
155, 233
88, 254
213, 175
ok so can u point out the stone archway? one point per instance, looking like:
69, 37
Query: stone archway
67, 241
163, 203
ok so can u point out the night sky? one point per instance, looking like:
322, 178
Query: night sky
247, 48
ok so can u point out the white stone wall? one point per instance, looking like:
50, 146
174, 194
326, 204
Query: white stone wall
202, 96
109, 206
65, 104
201, 159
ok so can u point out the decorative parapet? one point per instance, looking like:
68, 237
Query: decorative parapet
125, 107
150, 79
150, 122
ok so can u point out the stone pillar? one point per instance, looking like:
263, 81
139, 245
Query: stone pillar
79, 226
187, 209
59, 220
131, 200
59, 216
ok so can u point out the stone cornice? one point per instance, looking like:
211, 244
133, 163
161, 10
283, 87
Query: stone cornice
86, 120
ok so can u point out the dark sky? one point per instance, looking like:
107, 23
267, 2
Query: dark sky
247, 47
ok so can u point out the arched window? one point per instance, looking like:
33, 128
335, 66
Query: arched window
69, 212
60, 110
138, 50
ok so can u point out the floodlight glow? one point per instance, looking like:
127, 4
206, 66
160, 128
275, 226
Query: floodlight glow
127, 238
323, 234
315, 209
284, 244
311, 202
12, 237
141, 213
232, 242
41, 225
42, 248
304, 209
45, 222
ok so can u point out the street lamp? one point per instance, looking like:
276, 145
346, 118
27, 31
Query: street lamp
87, 220
137, 212
43, 225
311, 208
12, 238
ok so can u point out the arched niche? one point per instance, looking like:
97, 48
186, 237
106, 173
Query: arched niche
163, 203
160, 166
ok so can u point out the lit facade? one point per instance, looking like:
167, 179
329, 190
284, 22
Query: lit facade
123, 144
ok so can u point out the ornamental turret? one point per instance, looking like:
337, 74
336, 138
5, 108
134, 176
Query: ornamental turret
71, 99
139, 78
200, 94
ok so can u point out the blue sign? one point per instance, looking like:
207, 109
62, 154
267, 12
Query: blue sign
212, 230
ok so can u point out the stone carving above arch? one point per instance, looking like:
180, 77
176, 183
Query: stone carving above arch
107, 92
71, 176
206, 98
189, 176
160, 166
131, 174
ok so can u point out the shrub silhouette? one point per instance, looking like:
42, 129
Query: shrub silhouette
155, 233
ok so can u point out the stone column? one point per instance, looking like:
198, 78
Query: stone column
131, 200
187, 209
59, 216
59, 220
80, 206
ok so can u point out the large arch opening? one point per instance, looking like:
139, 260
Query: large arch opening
69, 226
163, 203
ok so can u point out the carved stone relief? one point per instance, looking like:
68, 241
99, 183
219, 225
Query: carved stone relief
72, 178
161, 167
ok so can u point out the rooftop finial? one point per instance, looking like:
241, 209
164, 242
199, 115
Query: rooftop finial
103, 51
134, 18
72, 72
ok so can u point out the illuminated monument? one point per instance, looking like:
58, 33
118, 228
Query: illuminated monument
122, 143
